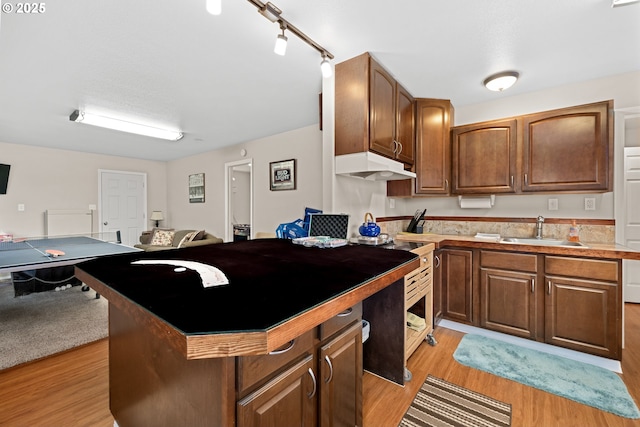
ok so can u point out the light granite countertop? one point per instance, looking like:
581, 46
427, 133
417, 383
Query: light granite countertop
590, 250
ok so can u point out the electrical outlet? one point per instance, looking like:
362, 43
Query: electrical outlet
392, 203
589, 204
553, 204
20, 207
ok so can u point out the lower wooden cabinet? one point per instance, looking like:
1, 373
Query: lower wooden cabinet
437, 287
457, 285
317, 383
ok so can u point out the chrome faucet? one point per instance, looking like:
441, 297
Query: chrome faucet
539, 222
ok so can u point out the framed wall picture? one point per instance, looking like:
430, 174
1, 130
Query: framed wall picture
283, 175
196, 188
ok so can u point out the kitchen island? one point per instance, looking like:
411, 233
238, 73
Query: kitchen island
183, 354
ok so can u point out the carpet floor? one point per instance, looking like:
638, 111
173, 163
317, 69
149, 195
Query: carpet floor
40, 324
440, 403
581, 382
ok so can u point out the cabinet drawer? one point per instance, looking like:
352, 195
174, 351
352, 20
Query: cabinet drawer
416, 285
338, 322
594, 269
253, 369
509, 261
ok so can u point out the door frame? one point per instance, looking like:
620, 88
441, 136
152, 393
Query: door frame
144, 197
228, 169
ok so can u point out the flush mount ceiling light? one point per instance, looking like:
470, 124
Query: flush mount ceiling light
274, 14
501, 81
124, 126
617, 3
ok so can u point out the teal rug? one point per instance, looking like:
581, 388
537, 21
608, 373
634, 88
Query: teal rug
578, 381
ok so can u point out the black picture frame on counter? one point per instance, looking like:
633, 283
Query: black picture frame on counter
282, 175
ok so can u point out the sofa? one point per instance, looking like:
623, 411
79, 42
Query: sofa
160, 239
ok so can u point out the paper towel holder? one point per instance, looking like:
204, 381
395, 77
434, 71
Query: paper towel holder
491, 199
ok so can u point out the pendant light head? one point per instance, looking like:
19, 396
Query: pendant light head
281, 42
501, 81
325, 67
214, 7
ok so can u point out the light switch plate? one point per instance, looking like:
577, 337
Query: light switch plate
553, 204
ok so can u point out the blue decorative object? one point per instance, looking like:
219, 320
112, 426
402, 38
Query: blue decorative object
578, 381
369, 228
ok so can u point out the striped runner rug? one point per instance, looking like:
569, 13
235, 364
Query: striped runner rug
440, 404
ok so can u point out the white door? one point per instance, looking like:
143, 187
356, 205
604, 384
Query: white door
123, 202
631, 269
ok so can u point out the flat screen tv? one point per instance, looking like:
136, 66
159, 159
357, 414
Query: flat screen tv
4, 178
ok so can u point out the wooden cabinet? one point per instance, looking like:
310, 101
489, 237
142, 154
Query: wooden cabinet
583, 305
314, 380
373, 112
457, 284
564, 150
508, 301
437, 287
484, 157
419, 298
569, 149
433, 151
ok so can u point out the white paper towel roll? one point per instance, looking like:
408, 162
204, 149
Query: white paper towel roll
475, 202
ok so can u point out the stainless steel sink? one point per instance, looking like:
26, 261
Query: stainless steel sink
542, 242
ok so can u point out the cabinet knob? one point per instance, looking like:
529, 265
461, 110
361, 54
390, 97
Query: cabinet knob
284, 350
549, 287
400, 145
328, 360
313, 378
437, 259
533, 285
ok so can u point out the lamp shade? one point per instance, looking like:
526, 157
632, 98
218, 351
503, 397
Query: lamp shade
156, 216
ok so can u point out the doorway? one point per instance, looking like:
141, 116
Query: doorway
239, 199
123, 204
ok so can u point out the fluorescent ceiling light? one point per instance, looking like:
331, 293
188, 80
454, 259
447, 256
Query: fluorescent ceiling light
501, 81
616, 3
124, 126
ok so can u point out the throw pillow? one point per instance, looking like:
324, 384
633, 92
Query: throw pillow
162, 238
198, 236
187, 238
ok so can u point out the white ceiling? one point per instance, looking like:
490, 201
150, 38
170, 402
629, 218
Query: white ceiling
217, 78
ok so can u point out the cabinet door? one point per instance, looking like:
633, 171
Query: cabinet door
382, 111
508, 302
340, 379
457, 286
287, 400
484, 158
437, 287
583, 315
405, 126
433, 147
569, 149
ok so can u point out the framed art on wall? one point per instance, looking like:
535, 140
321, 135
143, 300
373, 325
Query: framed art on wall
196, 188
282, 175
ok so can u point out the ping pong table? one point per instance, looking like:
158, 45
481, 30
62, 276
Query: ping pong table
25, 256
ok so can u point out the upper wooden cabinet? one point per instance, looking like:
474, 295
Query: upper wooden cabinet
564, 150
484, 157
373, 112
569, 149
433, 151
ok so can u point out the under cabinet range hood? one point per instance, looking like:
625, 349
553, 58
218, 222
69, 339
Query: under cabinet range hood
371, 166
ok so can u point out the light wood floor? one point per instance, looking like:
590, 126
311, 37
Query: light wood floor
71, 389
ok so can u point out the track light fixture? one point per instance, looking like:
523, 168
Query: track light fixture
124, 126
274, 14
501, 81
281, 42
214, 7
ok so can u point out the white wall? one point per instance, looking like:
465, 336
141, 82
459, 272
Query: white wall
271, 208
44, 178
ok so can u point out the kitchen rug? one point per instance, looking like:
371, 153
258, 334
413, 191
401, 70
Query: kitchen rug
578, 381
440, 403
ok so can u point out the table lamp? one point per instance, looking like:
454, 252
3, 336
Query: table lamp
156, 216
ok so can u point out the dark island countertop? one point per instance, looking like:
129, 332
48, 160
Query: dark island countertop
277, 290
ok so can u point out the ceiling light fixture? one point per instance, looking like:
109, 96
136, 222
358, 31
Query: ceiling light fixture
617, 3
281, 42
270, 11
124, 126
501, 81
214, 7
325, 67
